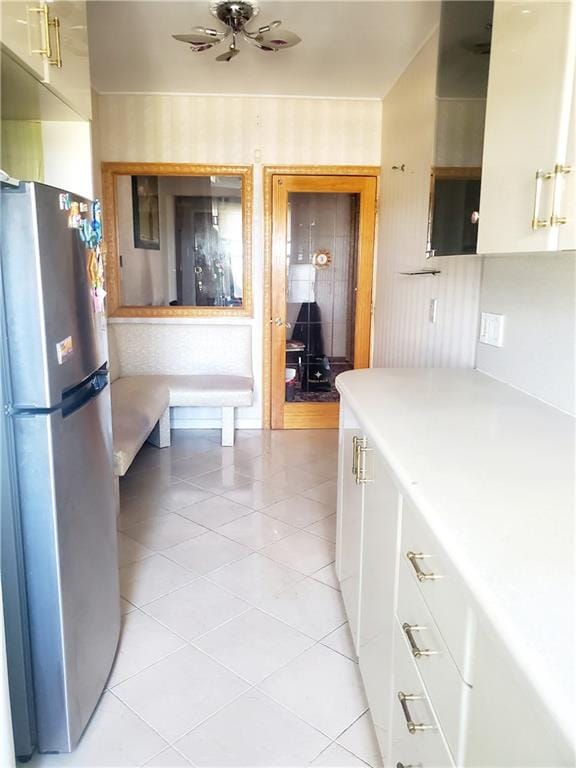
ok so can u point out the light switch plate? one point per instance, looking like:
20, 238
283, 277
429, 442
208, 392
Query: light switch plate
433, 310
492, 329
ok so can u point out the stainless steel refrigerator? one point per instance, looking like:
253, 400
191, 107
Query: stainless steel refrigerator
59, 550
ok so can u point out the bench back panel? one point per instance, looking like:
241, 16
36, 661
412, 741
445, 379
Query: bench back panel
167, 349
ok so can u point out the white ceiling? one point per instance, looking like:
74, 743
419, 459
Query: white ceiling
348, 49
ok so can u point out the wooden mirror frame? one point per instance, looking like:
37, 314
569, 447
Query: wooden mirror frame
110, 221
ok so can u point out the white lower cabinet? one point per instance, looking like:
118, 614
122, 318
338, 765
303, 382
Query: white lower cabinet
349, 525
377, 593
440, 586
445, 686
442, 687
507, 723
416, 736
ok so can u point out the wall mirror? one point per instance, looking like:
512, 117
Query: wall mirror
178, 239
453, 212
461, 90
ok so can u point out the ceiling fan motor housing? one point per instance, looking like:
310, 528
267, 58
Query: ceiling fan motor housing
235, 13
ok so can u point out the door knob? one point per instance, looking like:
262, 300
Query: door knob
278, 322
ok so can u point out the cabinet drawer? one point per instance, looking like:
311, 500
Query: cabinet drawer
440, 586
448, 692
416, 736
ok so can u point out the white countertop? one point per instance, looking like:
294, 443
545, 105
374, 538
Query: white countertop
492, 471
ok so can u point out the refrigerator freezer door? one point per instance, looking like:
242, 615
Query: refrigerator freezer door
13, 589
56, 340
70, 551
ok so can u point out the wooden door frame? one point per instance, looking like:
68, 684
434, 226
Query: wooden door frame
269, 172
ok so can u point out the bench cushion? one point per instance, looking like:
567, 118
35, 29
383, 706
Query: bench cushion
137, 404
207, 390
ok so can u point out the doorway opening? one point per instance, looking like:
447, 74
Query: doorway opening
322, 240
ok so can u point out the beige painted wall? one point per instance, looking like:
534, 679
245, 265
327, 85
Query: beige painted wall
403, 334
68, 155
239, 130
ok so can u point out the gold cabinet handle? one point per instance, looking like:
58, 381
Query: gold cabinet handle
538, 223
364, 470
559, 172
417, 652
56, 61
45, 50
278, 322
360, 453
413, 727
421, 575
356, 441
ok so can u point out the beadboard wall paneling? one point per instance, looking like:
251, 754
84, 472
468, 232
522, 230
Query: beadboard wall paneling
535, 292
238, 130
403, 334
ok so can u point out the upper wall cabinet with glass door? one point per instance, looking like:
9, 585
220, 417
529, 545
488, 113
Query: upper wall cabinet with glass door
461, 86
178, 239
528, 197
51, 40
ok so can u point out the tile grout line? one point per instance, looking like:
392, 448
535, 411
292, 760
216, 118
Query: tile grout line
249, 605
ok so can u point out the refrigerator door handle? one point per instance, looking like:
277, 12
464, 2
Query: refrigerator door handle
90, 388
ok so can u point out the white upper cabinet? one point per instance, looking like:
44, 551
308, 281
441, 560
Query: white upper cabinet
24, 31
567, 184
525, 189
69, 41
51, 39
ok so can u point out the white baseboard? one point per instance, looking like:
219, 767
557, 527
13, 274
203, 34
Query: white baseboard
177, 422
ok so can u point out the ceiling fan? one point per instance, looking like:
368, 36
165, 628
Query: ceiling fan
235, 14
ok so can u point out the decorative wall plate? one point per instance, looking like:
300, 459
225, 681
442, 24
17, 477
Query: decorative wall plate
322, 259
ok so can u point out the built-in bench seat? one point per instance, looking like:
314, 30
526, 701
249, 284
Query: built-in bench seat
156, 366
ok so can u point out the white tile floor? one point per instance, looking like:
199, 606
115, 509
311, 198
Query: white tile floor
234, 649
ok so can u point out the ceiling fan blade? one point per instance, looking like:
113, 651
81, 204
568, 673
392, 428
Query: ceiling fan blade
262, 46
228, 55
277, 39
197, 41
202, 38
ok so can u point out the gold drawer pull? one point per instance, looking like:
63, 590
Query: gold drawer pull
421, 575
413, 727
416, 651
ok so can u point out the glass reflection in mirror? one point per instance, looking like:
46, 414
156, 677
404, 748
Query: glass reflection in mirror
180, 241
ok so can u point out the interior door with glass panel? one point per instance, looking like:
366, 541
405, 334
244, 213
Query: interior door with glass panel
322, 259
